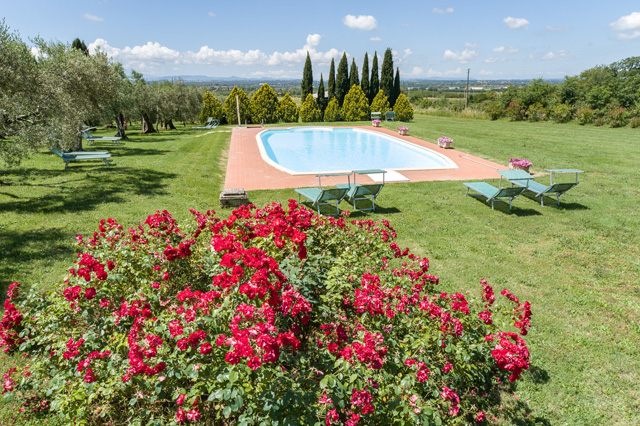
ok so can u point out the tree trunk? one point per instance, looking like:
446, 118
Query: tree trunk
79, 146
147, 125
120, 123
169, 125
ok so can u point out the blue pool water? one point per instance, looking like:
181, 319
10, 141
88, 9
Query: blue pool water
325, 149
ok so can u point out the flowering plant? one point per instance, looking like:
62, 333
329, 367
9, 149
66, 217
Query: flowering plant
269, 314
403, 129
444, 140
376, 121
520, 163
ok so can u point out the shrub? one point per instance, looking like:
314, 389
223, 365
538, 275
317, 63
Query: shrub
494, 110
333, 111
380, 103
616, 115
276, 316
355, 106
585, 115
230, 110
635, 122
309, 111
212, 108
562, 113
264, 105
600, 121
403, 108
536, 112
288, 111
514, 111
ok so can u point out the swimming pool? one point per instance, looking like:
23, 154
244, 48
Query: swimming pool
312, 150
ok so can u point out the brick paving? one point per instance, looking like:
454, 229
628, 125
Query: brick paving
246, 169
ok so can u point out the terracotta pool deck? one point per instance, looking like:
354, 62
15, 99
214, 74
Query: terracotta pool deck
247, 170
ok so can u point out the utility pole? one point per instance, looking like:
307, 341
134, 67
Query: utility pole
466, 92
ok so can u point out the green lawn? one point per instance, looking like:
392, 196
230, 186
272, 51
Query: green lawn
578, 264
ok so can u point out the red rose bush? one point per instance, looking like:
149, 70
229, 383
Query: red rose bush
270, 316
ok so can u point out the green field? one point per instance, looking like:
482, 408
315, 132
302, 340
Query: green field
578, 264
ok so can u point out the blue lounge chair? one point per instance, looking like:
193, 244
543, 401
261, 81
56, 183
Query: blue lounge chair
357, 192
494, 194
67, 157
90, 138
324, 196
390, 116
553, 189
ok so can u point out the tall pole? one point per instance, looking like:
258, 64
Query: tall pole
466, 92
238, 110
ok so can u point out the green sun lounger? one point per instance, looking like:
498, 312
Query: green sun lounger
324, 196
67, 157
90, 138
553, 189
494, 194
358, 192
211, 124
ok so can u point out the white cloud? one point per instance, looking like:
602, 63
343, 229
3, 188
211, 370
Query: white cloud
559, 54
152, 55
211, 14
449, 73
375, 39
493, 60
514, 23
471, 45
463, 57
91, 17
313, 40
485, 72
627, 22
407, 52
442, 11
556, 29
531, 57
416, 72
360, 22
505, 49
629, 36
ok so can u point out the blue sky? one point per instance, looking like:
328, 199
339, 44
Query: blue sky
269, 39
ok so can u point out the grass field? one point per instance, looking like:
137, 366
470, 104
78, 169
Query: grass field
578, 264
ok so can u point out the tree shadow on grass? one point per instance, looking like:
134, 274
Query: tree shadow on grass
83, 189
20, 249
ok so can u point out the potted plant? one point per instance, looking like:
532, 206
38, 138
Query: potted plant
403, 130
444, 142
520, 164
376, 123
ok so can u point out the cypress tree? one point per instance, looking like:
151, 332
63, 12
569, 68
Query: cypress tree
307, 78
78, 44
321, 100
332, 80
353, 74
396, 87
386, 75
374, 86
342, 79
365, 77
